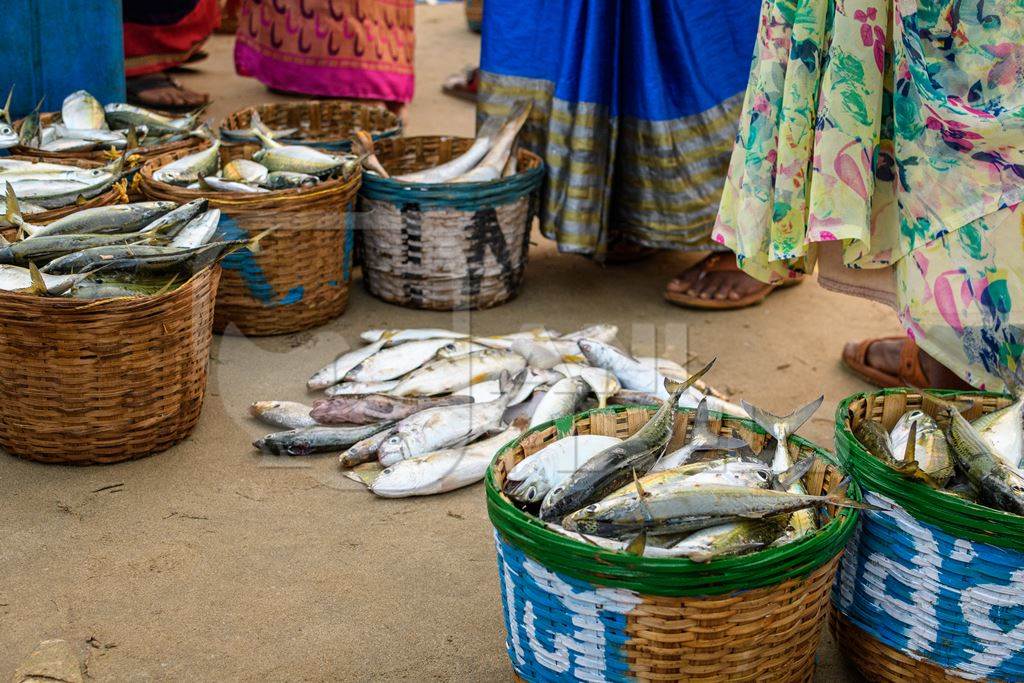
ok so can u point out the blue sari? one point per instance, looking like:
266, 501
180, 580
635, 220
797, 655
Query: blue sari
636, 105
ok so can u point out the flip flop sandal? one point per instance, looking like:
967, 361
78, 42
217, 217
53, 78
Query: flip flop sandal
714, 264
462, 85
137, 85
909, 374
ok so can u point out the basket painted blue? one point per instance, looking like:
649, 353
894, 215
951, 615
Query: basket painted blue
937, 598
542, 644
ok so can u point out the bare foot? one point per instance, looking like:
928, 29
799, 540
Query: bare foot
715, 278
160, 91
884, 355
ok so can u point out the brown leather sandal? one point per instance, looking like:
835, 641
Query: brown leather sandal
715, 263
910, 373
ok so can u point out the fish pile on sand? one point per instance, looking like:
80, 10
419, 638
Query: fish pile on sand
490, 157
274, 167
85, 125
978, 461
122, 250
432, 407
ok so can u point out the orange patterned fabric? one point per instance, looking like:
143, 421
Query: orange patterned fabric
332, 48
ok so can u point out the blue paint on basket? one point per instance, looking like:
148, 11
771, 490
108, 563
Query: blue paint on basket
561, 628
917, 589
350, 240
244, 263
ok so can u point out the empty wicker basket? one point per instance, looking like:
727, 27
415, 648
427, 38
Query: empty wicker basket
445, 246
326, 124
90, 382
299, 278
931, 587
576, 612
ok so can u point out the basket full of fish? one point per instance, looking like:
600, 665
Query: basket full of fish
325, 124
299, 278
662, 543
107, 316
932, 585
445, 222
86, 129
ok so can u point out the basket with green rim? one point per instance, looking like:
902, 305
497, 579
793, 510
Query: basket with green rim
573, 610
932, 585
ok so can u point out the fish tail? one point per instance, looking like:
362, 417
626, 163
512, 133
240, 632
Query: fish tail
787, 425
712, 441
676, 389
837, 496
38, 284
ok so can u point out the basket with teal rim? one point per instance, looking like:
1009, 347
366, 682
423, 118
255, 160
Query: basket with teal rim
931, 589
445, 246
324, 124
576, 612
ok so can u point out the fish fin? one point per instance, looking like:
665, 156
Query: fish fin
837, 496
638, 544
38, 284
13, 212
910, 453
794, 474
253, 245
677, 388
166, 288
132, 138
702, 423
5, 113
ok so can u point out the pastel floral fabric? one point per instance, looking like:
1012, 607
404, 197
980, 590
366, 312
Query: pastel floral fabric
886, 124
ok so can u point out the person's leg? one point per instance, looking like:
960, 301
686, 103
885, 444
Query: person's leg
158, 36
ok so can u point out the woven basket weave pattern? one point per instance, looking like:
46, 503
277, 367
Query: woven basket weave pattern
299, 278
327, 124
916, 597
445, 247
576, 616
87, 382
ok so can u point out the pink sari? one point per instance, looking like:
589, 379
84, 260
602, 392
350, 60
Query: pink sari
329, 48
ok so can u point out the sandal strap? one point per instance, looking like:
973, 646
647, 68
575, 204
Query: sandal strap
910, 372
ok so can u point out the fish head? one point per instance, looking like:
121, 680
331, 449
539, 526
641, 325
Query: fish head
393, 449
8, 138
260, 407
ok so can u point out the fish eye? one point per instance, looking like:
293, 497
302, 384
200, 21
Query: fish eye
386, 470
591, 508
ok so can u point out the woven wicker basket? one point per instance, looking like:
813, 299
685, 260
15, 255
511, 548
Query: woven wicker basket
445, 247
299, 278
576, 612
475, 15
932, 588
116, 194
138, 156
91, 382
328, 124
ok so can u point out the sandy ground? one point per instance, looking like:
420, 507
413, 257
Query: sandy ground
209, 562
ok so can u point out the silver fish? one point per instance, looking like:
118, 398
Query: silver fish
563, 399
336, 371
702, 439
360, 388
221, 185
284, 414
190, 168
931, 452
485, 139
319, 439
285, 180
118, 218
395, 361
244, 171
172, 222
447, 426
443, 470
413, 334
530, 480
83, 111
199, 231
445, 376
491, 166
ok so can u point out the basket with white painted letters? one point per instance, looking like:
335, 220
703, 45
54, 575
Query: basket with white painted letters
932, 588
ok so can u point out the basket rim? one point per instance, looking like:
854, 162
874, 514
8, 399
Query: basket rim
150, 185
973, 521
389, 189
117, 304
687, 577
391, 131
